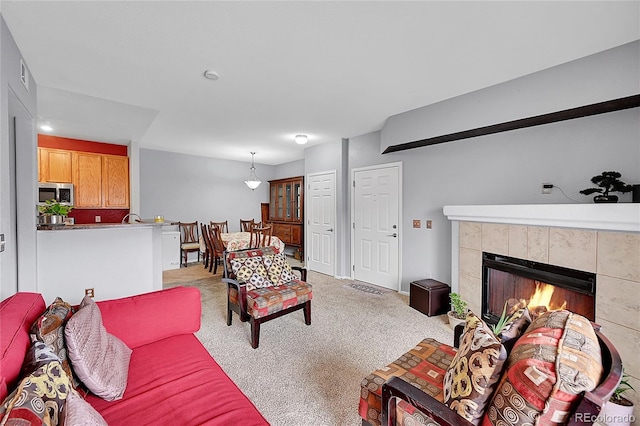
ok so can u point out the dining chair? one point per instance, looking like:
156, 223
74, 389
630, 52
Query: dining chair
246, 225
208, 253
222, 226
218, 247
189, 240
260, 236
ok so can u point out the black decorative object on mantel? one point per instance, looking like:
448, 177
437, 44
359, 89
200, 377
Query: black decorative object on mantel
608, 182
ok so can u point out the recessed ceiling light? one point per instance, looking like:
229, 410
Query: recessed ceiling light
301, 139
211, 75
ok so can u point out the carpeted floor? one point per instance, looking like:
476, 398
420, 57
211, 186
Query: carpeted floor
310, 375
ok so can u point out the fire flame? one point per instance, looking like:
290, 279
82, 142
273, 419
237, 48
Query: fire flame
542, 298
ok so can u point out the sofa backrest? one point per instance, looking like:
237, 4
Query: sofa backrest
17, 313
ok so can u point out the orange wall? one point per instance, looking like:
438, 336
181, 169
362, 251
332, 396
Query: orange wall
57, 142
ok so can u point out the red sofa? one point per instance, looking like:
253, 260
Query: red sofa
172, 378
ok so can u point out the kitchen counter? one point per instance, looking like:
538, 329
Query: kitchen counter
146, 223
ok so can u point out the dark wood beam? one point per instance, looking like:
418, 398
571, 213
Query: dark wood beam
567, 114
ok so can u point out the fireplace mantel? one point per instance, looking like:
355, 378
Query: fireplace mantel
623, 217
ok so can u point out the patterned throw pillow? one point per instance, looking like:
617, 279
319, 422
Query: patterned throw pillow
100, 359
278, 269
513, 329
40, 395
474, 371
556, 360
251, 270
49, 329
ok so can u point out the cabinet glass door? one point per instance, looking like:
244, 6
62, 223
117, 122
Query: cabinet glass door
288, 201
272, 209
280, 202
296, 202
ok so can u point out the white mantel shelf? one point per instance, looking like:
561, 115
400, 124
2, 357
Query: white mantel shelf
624, 217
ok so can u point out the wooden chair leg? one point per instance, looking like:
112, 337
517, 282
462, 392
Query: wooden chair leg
307, 312
229, 317
255, 333
215, 265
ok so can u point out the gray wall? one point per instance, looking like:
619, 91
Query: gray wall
187, 188
510, 167
286, 170
17, 196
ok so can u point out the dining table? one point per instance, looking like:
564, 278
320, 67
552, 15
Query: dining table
240, 240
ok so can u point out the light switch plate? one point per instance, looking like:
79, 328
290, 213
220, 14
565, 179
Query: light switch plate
416, 223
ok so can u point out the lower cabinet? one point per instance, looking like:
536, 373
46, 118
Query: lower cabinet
290, 234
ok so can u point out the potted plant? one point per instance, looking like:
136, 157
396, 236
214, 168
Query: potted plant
53, 213
618, 411
607, 182
458, 312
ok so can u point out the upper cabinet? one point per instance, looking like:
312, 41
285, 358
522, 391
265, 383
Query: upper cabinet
100, 180
54, 165
286, 199
286, 204
115, 181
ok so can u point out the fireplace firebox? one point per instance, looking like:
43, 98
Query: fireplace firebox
505, 278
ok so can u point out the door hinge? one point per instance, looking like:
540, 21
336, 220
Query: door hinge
353, 225
354, 183
353, 268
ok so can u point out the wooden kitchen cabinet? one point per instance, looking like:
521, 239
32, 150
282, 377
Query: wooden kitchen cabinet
54, 165
100, 180
115, 181
286, 205
87, 179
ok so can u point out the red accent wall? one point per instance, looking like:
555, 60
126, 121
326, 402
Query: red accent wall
84, 216
57, 142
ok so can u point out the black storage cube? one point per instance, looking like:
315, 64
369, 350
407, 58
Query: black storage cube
429, 296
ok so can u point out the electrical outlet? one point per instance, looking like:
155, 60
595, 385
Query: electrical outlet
416, 223
546, 188
88, 292
98, 219
428, 224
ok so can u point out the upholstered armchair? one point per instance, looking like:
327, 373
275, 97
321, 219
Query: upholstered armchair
262, 286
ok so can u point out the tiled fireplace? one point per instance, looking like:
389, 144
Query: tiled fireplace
601, 240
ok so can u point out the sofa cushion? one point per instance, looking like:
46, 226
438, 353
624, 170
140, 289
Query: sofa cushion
471, 378
264, 301
278, 268
407, 414
49, 329
40, 395
556, 360
145, 318
100, 360
17, 313
424, 367
167, 387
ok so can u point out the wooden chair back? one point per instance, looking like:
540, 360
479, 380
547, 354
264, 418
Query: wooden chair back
188, 232
216, 241
260, 236
222, 226
246, 225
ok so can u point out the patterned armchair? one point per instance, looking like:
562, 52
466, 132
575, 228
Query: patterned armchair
261, 286
560, 371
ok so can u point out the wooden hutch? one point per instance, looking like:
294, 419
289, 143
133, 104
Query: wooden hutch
285, 211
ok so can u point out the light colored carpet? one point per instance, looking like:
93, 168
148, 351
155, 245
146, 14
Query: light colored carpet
310, 375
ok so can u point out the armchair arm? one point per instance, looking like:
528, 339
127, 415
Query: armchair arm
242, 292
396, 387
303, 272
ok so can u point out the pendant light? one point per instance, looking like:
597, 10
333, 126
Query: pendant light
253, 182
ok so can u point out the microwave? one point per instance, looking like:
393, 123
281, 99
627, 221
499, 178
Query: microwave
61, 192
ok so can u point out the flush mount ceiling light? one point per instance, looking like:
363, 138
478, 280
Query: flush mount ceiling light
253, 182
301, 139
46, 126
211, 75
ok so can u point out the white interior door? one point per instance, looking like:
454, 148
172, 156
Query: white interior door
321, 222
376, 225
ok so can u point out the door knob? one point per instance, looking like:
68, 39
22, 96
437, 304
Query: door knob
393, 235
330, 230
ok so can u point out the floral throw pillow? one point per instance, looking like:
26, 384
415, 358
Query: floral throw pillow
278, 269
251, 271
41, 394
49, 329
472, 376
